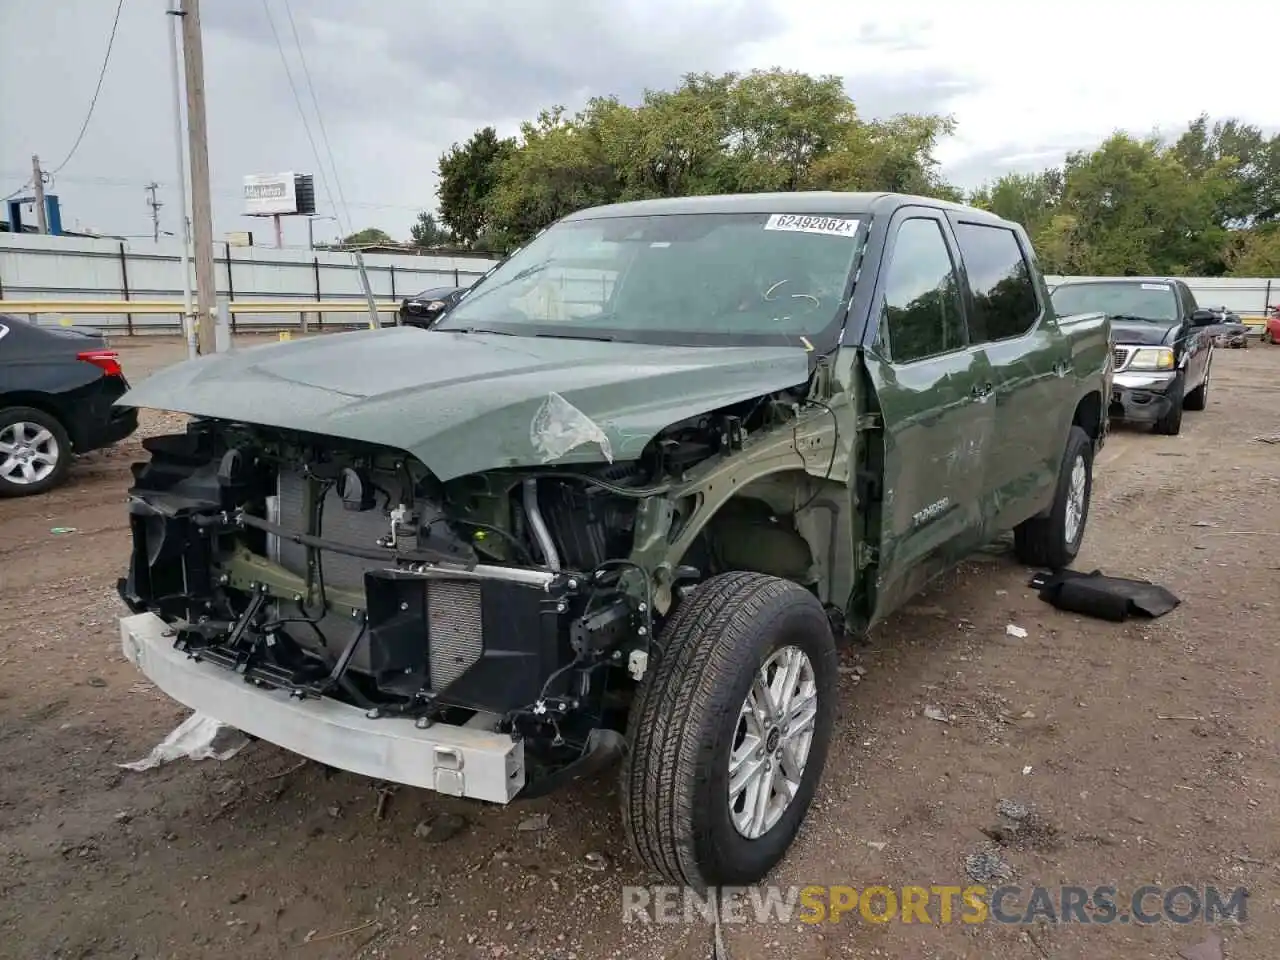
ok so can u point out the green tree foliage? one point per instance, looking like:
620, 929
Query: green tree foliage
427, 233
366, 236
1206, 203
732, 133
467, 174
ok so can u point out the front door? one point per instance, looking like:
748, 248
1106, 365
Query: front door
937, 416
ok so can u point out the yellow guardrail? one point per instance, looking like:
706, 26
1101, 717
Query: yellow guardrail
175, 306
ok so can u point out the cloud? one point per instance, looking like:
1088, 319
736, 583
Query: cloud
398, 81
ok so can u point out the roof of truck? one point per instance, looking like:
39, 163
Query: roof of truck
813, 202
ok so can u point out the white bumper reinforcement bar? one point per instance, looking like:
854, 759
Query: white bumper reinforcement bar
459, 761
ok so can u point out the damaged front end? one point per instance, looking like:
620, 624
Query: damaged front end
310, 591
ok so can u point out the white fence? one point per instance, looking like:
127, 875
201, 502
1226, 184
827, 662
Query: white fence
34, 267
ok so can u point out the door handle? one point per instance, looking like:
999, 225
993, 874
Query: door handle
981, 391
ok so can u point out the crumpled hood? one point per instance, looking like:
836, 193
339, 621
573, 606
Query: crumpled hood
1142, 333
462, 403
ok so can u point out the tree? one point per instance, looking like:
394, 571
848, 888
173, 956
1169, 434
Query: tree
427, 233
765, 130
1031, 199
369, 235
467, 175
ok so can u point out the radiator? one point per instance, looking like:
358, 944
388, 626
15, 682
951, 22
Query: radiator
454, 618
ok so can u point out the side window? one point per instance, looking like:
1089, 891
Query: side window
1000, 278
921, 296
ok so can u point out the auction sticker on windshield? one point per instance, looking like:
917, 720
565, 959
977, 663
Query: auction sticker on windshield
798, 223
1155, 286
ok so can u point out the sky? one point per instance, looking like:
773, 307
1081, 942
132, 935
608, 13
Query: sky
398, 81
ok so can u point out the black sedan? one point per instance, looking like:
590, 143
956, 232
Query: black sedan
427, 307
57, 387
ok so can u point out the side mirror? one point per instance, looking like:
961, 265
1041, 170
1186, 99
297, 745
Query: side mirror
1204, 318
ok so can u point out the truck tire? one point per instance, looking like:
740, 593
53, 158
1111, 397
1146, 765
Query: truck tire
1170, 425
1198, 398
700, 707
45, 455
1054, 540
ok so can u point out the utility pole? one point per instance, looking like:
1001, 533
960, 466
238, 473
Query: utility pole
37, 178
155, 206
172, 15
198, 146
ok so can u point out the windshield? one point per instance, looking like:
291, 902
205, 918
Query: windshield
1137, 301
703, 278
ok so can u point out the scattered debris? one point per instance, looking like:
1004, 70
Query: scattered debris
1027, 715
987, 866
1274, 438
539, 821
283, 773
199, 737
877, 845
1026, 771
1108, 598
1013, 630
1203, 523
936, 713
444, 827
1013, 809
1251, 860
1210, 949
312, 938
335, 811
1174, 716
385, 792
59, 531
123, 816
596, 861
96, 682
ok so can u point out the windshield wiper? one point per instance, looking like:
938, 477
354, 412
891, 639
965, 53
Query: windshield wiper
1131, 316
496, 333
602, 337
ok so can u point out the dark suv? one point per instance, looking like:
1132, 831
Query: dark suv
1162, 344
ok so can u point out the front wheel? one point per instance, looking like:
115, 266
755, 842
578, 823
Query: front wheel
729, 731
1054, 540
1170, 425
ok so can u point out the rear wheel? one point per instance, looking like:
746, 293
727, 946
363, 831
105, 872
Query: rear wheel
1054, 540
1198, 398
35, 452
729, 731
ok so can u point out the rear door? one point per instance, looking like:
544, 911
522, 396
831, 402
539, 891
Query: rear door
1029, 358
930, 385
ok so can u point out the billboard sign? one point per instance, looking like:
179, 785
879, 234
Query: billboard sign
269, 194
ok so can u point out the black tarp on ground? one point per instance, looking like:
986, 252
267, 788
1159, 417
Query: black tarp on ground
1108, 598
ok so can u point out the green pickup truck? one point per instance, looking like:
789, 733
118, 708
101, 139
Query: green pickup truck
617, 506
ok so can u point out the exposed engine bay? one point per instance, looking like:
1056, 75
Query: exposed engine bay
507, 600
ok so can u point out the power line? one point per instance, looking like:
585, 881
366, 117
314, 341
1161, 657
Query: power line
97, 90
306, 127
324, 135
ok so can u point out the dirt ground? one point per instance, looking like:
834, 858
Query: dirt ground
1145, 751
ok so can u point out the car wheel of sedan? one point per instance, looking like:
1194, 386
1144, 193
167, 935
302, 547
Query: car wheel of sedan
35, 452
729, 731
1054, 540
